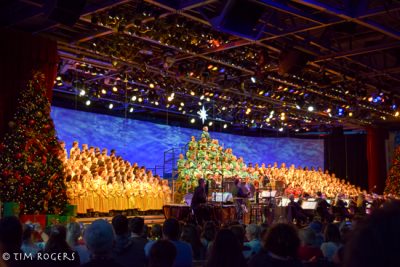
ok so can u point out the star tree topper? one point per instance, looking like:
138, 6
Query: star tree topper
203, 114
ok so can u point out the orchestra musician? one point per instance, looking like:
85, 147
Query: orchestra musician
241, 196
199, 200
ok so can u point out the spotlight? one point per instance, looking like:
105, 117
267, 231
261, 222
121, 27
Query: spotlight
88, 102
115, 89
151, 85
370, 99
296, 130
248, 110
351, 114
201, 97
134, 98
253, 79
224, 108
131, 109
170, 98
182, 104
396, 114
215, 68
58, 78
261, 92
140, 99
82, 92
156, 103
210, 123
208, 99
328, 110
225, 126
310, 108
281, 129
199, 103
103, 91
192, 120
192, 93
111, 106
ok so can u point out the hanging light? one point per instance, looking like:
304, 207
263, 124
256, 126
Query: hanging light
310, 108
111, 106
88, 102
225, 126
192, 120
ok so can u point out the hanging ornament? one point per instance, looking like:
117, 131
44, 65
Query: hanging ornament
31, 122
18, 156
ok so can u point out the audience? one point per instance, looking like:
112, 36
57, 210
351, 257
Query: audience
57, 243
99, 239
162, 254
11, 239
332, 241
280, 248
253, 232
208, 235
184, 255
226, 251
74, 233
191, 235
309, 251
127, 249
156, 232
28, 244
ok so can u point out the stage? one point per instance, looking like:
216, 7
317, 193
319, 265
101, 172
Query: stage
148, 219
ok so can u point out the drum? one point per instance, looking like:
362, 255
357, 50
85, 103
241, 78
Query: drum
180, 212
224, 214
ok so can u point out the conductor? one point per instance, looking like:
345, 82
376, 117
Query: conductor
199, 198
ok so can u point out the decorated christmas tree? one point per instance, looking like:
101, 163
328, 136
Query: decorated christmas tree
31, 172
393, 179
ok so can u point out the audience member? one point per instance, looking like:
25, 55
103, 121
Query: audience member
253, 236
28, 245
332, 241
191, 235
11, 239
74, 232
308, 250
375, 241
226, 251
162, 254
184, 255
99, 238
127, 249
208, 235
57, 243
280, 248
156, 232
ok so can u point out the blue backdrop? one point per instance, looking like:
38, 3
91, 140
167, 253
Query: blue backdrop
145, 142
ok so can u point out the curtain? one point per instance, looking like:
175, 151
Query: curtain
21, 54
376, 159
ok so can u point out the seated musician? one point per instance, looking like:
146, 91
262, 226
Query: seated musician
341, 209
296, 211
198, 200
323, 208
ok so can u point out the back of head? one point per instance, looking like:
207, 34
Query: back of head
375, 240
162, 254
57, 239
239, 232
253, 231
27, 231
191, 235
209, 231
156, 231
171, 229
226, 251
332, 233
282, 240
120, 225
308, 236
99, 237
136, 225
10, 233
73, 233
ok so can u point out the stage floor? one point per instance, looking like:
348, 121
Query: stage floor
148, 219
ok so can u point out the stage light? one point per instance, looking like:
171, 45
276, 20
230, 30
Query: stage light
192, 120
180, 108
215, 68
115, 89
58, 78
208, 99
340, 111
297, 106
310, 108
370, 99
151, 85
103, 91
192, 93
182, 104
225, 126
296, 130
223, 108
199, 103
172, 95
253, 79
328, 110
281, 129
351, 114
248, 110
210, 67
396, 114
156, 103
184, 112
88, 102
111, 106
82, 92
131, 109
140, 99
210, 123
170, 98
201, 97
134, 98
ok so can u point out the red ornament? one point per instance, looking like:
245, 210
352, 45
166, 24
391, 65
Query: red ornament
17, 176
5, 173
31, 122
18, 156
42, 173
27, 180
20, 189
44, 160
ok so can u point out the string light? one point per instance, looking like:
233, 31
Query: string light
110, 106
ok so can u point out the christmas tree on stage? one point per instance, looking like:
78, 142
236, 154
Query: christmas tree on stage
393, 179
31, 172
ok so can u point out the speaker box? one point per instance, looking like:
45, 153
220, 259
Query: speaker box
67, 12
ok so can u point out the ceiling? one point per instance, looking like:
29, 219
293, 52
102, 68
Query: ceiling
282, 66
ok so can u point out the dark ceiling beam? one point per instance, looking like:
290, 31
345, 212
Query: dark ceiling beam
200, 4
292, 11
344, 15
360, 51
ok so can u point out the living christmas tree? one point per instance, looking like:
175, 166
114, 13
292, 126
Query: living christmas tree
31, 172
393, 179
